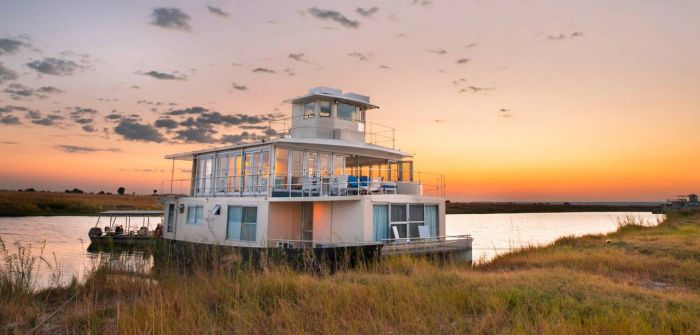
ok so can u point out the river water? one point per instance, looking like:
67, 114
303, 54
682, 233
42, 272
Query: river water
62, 240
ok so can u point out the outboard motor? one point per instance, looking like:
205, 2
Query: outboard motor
95, 232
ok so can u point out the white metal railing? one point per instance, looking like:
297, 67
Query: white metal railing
373, 132
298, 184
299, 244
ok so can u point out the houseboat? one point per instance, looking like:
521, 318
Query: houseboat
327, 178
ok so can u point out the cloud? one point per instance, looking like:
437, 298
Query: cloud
6, 74
166, 123
263, 70
384, 67
9, 120
335, 16
133, 131
476, 89
438, 51
49, 120
19, 91
198, 134
8, 142
163, 75
504, 113
463, 61
238, 138
239, 87
367, 12
360, 56
10, 46
191, 110
80, 150
55, 66
561, 37
217, 11
10, 109
299, 57
470, 45
171, 18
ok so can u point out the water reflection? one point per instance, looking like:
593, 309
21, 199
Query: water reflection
63, 241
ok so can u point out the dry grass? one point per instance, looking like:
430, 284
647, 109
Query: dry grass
639, 280
56, 203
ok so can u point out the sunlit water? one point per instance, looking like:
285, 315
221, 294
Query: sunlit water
66, 237
495, 234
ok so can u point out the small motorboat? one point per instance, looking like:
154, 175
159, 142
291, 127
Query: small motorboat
123, 228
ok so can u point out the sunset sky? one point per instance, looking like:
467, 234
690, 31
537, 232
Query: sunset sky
510, 100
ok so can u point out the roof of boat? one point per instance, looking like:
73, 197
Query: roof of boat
351, 147
337, 94
138, 212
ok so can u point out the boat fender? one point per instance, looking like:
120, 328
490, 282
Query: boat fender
95, 232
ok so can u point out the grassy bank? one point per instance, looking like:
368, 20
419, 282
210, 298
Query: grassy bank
539, 207
55, 203
638, 280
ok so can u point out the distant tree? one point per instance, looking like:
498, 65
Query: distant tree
31, 189
108, 193
155, 192
101, 193
121, 190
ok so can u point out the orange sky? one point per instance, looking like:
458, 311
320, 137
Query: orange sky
511, 100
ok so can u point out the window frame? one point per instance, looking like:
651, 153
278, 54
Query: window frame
305, 110
321, 108
198, 217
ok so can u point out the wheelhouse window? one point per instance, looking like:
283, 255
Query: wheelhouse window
325, 109
242, 223
195, 214
346, 112
309, 110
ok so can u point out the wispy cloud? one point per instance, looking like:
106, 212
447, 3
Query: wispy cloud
9, 120
132, 130
10, 46
217, 11
367, 12
164, 75
6, 74
335, 16
361, 56
561, 37
299, 57
263, 70
476, 89
55, 66
81, 150
20, 92
438, 51
239, 87
463, 61
171, 18
504, 113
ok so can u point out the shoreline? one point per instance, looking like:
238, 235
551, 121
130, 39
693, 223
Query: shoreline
636, 280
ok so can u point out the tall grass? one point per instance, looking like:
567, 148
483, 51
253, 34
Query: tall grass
643, 281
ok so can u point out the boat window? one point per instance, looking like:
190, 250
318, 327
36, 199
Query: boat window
311, 160
222, 174
296, 169
281, 168
325, 109
338, 165
242, 223
205, 172
195, 214
325, 164
398, 213
416, 219
346, 112
309, 110
264, 170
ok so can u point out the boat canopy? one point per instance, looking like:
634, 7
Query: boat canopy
131, 213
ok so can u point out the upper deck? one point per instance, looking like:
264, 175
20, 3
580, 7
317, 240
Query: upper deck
326, 148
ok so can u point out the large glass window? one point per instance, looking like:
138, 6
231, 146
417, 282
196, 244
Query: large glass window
338, 165
416, 219
264, 172
248, 171
325, 109
406, 219
346, 112
281, 168
222, 174
235, 172
195, 214
297, 168
311, 160
242, 223
309, 110
325, 164
204, 171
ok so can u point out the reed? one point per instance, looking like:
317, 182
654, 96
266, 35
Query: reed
638, 280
